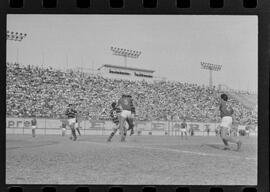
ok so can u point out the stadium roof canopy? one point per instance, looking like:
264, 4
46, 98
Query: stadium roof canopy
126, 68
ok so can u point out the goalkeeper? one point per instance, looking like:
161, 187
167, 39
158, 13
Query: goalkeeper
127, 114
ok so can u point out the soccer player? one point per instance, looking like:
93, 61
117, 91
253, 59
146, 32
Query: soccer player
34, 126
127, 114
226, 113
71, 114
183, 129
114, 114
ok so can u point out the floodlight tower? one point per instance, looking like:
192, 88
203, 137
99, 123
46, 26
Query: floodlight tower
15, 36
211, 67
126, 53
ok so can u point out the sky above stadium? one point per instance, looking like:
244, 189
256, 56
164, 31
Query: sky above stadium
172, 45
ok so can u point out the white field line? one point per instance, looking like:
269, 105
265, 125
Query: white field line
123, 145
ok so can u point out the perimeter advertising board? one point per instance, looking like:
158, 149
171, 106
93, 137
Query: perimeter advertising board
53, 126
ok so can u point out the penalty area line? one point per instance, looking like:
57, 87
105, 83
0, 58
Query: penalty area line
122, 145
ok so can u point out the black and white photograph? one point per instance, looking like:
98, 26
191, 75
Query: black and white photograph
131, 99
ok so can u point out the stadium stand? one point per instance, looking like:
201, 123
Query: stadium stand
45, 92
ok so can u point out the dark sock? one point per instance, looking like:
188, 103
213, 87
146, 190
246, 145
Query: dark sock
74, 133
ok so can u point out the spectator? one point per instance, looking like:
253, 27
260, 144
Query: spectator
44, 92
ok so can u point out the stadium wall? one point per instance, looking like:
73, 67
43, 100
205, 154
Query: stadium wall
102, 127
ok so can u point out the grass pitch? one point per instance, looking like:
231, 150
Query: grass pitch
160, 160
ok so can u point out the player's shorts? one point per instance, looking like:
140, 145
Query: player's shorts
126, 114
183, 130
76, 125
34, 126
71, 121
226, 122
115, 126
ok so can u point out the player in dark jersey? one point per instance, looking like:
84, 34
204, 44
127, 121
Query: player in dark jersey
71, 114
34, 126
127, 114
114, 115
226, 113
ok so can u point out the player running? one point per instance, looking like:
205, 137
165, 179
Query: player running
127, 114
71, 113
114, 114
226, 113
183, 129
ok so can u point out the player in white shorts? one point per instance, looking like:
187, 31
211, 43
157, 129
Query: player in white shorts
183, 129
71, 113
125, 103
226, 113
34, 126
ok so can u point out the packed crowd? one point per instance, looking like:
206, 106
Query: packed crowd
35, 91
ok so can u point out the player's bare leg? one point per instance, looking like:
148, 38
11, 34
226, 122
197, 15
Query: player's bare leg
78, 130
125, 131
122, 131
73, 131
33, 133
124, 134
70, 133
112, 134
225, 138
63, 132
130, 126
223, 133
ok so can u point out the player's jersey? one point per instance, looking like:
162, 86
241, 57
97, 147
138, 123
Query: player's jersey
71, 113
126, 103
114, 113
225, 109
183, 125
33, 122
